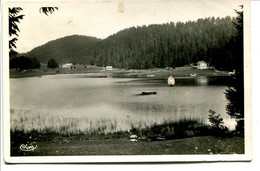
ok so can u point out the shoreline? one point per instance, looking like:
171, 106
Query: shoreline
158, 73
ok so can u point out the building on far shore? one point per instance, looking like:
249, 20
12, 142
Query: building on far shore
109, 68
202, 65
67, 65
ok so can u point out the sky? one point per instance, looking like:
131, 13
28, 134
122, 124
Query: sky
103, 18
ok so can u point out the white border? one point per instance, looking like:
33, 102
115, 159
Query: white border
140, 158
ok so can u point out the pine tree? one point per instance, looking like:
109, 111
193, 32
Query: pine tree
235, 91
15, 17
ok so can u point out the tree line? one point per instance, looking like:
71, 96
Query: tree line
171, 44
154, 46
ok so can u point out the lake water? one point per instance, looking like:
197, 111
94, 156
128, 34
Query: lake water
93, 100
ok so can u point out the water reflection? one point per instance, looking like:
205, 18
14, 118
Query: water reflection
202, 80
183, 81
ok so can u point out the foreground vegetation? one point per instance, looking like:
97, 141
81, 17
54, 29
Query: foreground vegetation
118, 143
114, 144
106, 137
24, 121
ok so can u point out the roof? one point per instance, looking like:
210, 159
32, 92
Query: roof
201, 62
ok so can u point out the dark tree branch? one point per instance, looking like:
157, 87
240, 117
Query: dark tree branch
47, 10
15, 18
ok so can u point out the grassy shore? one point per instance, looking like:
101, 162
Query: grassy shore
161, 73
44, 70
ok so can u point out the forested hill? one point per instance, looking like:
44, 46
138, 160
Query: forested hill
153, 46
74, 49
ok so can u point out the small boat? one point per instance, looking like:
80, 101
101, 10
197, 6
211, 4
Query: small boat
171, 81
148, 92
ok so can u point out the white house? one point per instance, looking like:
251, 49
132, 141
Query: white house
109, 68
202, 65
67, 65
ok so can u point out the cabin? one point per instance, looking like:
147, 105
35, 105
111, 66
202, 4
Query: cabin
109, 68
202, 65
67, 65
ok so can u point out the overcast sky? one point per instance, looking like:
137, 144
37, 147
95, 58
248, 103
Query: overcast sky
101, 19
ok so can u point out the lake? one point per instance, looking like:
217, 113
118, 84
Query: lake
94, 102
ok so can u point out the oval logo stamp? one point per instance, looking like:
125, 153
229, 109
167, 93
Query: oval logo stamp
28, 147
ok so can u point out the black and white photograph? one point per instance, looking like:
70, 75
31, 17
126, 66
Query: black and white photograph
126, 81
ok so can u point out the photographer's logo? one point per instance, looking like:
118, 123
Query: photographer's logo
28, 147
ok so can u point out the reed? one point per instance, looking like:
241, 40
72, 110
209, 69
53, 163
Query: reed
25, 121
147, 127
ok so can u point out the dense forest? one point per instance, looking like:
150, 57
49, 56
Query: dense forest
154, 46
76, 49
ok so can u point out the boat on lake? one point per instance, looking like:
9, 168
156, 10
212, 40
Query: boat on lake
148, 92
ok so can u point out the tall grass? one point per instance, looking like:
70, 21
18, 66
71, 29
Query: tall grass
26, 122
63, 126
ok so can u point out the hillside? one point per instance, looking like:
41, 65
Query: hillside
153, 46
73, 48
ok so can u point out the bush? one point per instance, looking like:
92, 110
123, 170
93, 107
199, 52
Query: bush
240, 127
215, 119
183, 128
173, 129
24, 62
217, 126
52, 63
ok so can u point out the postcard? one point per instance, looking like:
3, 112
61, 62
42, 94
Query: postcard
126, 81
